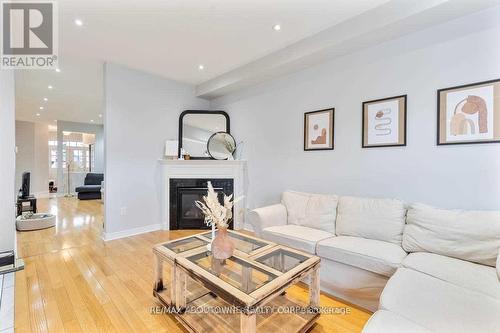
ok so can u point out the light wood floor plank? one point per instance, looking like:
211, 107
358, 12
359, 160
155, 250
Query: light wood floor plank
38, 321
21, 311
52, 314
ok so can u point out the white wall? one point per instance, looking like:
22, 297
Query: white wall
25, 143
142, 111
32, 142
41, 153
269, 119
7, 161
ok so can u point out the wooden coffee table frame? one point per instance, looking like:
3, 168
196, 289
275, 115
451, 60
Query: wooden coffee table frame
240, 254
182, 268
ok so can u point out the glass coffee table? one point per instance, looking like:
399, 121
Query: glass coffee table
245, 293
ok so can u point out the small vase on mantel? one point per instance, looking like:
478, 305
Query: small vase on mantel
222, 245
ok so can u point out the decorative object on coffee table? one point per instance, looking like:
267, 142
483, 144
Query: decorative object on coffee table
222, 246
218, 215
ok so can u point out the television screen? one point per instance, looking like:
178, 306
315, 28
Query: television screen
25, 187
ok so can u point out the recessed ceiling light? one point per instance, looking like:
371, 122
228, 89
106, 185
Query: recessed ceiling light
79, 22
41, 107
50, 87
91, 120
201, 67
276, 27
38, 115
100, 115
45, 99
58, 70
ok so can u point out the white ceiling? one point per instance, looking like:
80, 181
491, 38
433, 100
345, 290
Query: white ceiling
168, 38
230, 38
77, 93
389, 21
172, 37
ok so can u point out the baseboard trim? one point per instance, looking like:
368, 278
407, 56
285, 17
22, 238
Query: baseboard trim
248, 227
44, 194
108, 236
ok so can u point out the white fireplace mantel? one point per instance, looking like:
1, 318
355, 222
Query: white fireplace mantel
206, 169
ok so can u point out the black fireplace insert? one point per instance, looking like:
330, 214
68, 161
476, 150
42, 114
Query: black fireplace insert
184, 192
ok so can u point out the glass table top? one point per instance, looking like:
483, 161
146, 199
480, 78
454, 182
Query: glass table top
186, 244
238, 273
282, 260
241, 243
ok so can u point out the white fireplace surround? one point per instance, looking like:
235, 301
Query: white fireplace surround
206, 169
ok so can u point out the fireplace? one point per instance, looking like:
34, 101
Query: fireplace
184, 192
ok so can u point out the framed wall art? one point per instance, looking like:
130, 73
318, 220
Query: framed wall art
318, 129
384, 122
469, 113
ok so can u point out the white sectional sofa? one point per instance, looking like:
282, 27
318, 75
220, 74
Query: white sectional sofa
422, 269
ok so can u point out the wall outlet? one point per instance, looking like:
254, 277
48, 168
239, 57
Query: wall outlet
123, 211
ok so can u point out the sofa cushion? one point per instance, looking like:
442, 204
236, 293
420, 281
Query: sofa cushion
369, 254
462, 273
468, 235
296, 236
388, 322
88, 188
381, 219
317, 211
438, 305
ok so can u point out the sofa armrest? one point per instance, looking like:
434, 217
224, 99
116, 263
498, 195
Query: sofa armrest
268, 216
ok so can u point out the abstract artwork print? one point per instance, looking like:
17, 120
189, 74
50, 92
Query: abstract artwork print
318, 130
384, 122
469, 114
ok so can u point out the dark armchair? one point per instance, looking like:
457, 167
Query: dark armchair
91, 188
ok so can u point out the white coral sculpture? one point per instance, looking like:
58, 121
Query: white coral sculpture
215, 213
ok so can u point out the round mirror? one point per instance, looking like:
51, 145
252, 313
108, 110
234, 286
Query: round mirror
221, 146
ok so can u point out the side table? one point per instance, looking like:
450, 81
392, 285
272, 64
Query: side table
26, 208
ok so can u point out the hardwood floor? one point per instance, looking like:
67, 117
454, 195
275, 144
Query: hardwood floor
75, 282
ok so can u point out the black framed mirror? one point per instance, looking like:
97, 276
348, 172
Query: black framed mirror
196, 127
